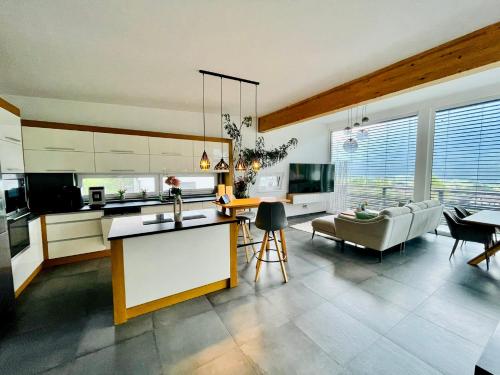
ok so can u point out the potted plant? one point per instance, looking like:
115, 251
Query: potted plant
175, 189
121, 193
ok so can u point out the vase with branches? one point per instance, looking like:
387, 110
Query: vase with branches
267, 157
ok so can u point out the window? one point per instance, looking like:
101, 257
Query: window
271, 182
381, 170
112, 183
194, 184
466, 161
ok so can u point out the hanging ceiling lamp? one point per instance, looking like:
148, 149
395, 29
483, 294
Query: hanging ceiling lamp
241, 166
221, 165
350, 144
256, 165
363, 133
204, 161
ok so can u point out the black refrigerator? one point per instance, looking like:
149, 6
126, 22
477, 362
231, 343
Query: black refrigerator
6, 281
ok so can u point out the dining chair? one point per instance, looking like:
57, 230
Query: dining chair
461, 212
243, 217
461, 231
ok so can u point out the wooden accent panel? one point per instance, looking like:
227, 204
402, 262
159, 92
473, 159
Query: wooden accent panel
10, 107
103, 129
76, 258
45, 243
472, 51
118, 281
23, 286
173, 299
233, 255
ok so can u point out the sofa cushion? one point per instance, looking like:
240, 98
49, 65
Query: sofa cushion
395, 211
422, 205
364, 215
432, 203
324, 224
414, 207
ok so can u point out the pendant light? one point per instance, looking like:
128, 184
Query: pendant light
241, 166
256, 161
350, 144
204, 161
221, 165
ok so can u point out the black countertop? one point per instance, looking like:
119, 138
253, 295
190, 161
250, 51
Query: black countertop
143, 203
133, 226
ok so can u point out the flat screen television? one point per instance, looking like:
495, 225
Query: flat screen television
311, 178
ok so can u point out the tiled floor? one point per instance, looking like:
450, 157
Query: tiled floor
416, 313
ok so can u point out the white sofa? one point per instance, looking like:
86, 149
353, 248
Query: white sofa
393, 226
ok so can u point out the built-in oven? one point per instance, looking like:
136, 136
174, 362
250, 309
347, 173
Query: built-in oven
19, 235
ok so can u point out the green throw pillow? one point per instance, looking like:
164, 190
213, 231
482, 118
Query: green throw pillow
363, 215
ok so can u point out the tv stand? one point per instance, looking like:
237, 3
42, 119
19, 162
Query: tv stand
307, 203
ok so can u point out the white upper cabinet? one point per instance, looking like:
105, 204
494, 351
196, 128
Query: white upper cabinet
37, 161
121, 144
11, 157
170, 147
10, 127
121, 163
57, 140
170, 164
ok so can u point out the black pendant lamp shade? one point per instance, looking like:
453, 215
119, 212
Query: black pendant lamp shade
204, 161
221, 165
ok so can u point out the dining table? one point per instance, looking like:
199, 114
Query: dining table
485, 218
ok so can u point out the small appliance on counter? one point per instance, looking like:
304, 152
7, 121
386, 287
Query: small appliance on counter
97, 196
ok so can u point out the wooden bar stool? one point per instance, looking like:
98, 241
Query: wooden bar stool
271, 218
243, 217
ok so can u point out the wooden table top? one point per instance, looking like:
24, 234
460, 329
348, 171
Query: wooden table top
250, 202
486, 217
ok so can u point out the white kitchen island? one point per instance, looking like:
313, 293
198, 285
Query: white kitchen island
156, 263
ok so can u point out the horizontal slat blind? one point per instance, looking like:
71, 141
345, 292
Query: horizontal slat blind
466, 162
381, 170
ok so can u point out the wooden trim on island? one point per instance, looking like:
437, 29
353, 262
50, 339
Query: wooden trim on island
471, 52
76, 258
30, 278
148, 307
10, 107
45, 242
118, 281
233, 256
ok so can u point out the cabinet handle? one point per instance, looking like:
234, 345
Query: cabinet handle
123, 170
123, 151
60, 170
13, 139
60, 148
13, 169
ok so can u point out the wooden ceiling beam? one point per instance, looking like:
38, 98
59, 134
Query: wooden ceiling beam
472, 51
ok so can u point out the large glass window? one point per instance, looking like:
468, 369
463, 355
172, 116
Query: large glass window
381, 170
466, 162
194, 184
133, 184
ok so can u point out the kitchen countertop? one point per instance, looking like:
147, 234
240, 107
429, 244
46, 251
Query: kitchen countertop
133, 226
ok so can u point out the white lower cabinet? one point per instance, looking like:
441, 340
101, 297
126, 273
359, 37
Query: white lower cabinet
167, 164
58, 161
77, 246
11, 157
121, 163
27, 261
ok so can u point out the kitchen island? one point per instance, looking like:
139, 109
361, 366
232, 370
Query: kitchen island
156, 262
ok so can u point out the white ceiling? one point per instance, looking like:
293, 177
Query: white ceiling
147, 52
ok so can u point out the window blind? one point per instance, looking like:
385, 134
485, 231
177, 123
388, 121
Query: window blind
381, 171
466, 162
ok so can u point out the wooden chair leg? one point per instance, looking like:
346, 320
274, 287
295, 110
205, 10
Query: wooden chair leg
249, 236
245, 241
454, 248
261, 254
282, 263
283, 245
268, 246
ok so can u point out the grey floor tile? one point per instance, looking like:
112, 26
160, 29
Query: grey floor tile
248, 317
377, 313
416, 277
100, 331
180, 311
137, 355
326, 285
293, 299
243, 289
386, 358
350, 271
286, 350
396, 292
442, 349
458, 319
193, 342
339, 334
230, 363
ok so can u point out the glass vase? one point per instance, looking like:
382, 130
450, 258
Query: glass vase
178, 208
